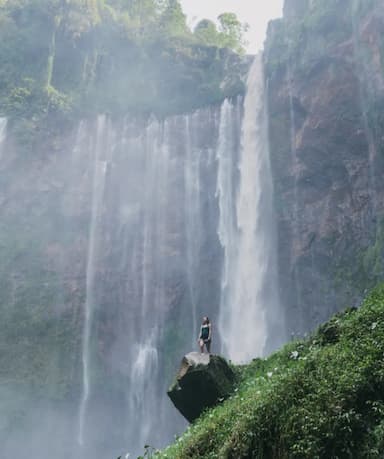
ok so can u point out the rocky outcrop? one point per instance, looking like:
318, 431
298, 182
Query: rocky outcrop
324, 64
202, 381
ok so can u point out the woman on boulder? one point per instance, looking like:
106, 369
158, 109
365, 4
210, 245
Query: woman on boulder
205, 335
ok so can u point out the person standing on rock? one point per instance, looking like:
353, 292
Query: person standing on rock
205, 335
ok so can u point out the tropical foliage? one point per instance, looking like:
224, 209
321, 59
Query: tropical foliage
79, 56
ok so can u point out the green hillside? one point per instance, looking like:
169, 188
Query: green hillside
317, 398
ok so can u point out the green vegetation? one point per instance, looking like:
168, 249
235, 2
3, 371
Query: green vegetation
66, 59
318, 398
229, 35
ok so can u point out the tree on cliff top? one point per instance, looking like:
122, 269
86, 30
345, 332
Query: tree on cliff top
232, 32
173, 20
229, 34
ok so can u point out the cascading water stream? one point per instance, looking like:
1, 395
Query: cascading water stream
363, 70
150, 266
250, 300
193, 222
143, 395
143, 264
225, 192
99, 174
3, 132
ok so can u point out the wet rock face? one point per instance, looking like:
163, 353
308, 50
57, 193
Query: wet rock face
202, 382
325, 90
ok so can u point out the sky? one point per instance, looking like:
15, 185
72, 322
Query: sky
256, 13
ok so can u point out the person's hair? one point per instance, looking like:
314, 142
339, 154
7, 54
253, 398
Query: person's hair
206, 320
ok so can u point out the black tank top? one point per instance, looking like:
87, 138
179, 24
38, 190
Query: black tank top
204, 331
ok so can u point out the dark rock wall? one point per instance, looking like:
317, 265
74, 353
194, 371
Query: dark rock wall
324, 65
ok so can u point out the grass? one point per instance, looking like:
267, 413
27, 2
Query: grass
318, 398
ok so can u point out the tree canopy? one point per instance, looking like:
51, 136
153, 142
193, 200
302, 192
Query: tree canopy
66, 54
231, 32
228, 34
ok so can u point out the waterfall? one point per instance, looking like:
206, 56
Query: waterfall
134, 244
143, 399
99, 174
144, 394
142, 274
227, 230
139, 243
193, 223
366, 95
249, 300
3, 131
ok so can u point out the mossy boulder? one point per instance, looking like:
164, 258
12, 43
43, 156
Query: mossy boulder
202, 382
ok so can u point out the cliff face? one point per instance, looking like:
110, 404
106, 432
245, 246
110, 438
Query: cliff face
324, 63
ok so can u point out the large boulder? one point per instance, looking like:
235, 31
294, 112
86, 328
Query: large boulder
202, 381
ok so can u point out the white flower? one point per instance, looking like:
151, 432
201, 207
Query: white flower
269, 374
374, 325
294, 355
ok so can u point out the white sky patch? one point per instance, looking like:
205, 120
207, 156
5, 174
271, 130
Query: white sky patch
256, 13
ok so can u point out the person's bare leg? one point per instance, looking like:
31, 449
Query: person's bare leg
201, 344
208, 346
